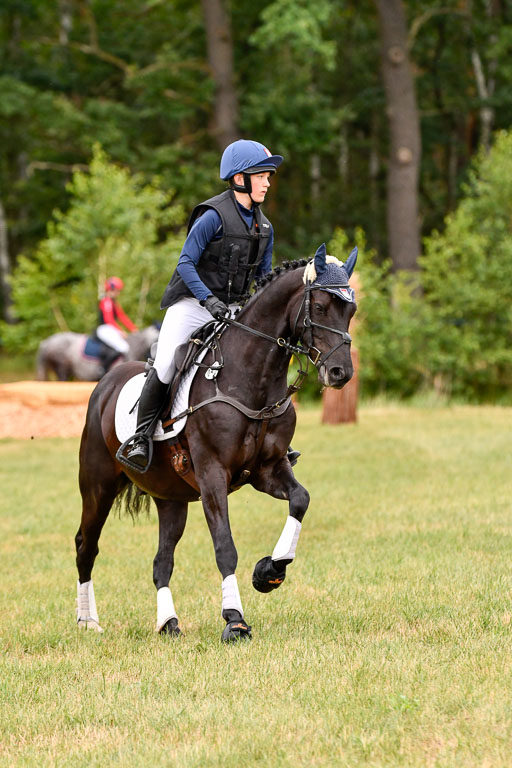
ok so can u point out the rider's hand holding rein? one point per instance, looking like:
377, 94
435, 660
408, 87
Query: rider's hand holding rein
216, 307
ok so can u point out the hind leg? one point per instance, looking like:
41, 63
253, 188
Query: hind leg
172, 517
100, 482
279, 481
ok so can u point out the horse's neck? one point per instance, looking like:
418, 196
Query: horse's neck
261, 364
268, 310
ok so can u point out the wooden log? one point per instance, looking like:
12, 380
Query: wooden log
339, 406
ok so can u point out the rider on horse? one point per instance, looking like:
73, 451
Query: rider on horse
109, 332
229, 244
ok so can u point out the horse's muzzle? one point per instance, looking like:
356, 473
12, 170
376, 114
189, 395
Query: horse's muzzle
336, 376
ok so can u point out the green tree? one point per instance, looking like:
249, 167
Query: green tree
113, 226
467, 278
389, 323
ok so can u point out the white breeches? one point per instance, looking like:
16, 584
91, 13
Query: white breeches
180, 321
111, 336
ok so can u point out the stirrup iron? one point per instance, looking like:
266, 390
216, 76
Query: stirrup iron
122, 459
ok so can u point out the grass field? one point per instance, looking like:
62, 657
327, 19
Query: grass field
390, 643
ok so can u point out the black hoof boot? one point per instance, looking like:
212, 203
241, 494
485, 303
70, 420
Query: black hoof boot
171, 629
269, 575
235, 631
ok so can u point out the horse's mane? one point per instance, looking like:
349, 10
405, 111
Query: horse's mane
263, 282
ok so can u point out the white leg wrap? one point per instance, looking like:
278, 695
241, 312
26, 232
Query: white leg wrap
285, 547
164, 607
86, 611
231, 595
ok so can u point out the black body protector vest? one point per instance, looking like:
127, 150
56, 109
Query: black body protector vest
227, 265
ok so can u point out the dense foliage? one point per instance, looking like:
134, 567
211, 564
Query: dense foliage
455, 333
133, 78
112, 227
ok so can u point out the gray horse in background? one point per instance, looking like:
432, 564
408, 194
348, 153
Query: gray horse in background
63, 355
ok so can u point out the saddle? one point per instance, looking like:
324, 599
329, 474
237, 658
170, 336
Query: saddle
93, 346
184, 358
97, 350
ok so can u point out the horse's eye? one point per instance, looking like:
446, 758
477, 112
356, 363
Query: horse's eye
319, 308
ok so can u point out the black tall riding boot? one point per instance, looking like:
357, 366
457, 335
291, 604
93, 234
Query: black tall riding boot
151, 402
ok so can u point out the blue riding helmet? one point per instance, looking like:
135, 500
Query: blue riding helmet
244, 156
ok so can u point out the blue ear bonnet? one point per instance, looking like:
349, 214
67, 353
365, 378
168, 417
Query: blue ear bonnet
334, 279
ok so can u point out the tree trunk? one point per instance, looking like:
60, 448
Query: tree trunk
339, 406
5, 290
65, 21
405, 140
485, 85
374, 226
220, 59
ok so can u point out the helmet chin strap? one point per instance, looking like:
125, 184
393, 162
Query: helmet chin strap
246, 188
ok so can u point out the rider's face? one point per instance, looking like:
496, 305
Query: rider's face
260, 185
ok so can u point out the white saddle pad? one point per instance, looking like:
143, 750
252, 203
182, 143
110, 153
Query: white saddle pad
126, 414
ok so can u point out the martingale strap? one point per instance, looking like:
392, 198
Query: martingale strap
264, 414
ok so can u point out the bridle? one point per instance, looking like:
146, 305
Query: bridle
308, 324
305, 346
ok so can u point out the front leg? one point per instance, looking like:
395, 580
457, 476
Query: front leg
214, 487
279, 481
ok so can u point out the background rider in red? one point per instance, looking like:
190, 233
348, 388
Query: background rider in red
109, 330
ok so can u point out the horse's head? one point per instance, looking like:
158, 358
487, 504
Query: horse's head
324, 315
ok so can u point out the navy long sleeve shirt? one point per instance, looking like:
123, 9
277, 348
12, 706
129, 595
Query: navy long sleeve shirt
206, 228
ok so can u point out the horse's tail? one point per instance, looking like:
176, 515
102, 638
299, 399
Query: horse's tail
133, 500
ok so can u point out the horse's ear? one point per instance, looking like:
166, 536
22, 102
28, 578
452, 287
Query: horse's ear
320, 264
351, 262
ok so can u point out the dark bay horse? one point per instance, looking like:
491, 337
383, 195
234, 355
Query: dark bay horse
240, 436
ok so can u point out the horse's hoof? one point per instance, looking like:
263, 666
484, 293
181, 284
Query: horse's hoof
236, 631
170, 628
266, 576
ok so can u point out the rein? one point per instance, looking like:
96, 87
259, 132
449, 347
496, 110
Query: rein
278, 408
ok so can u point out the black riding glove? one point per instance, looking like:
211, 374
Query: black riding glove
216, 307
